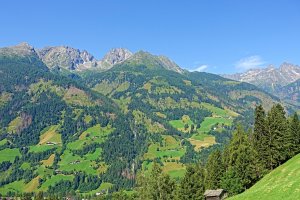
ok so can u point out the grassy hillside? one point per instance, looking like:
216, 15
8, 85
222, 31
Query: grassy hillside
281, 183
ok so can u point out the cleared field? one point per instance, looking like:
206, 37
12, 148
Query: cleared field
205, 142
9, 154
70, 162
49, 161
14, 125
209, 122
25, 165
180, 124
95, 134
55, 179
175, 170
103, 186
281, 183
17, 186
3, 142
41, 148
77, 96
170, 149
94, 156
50, 135
32, 185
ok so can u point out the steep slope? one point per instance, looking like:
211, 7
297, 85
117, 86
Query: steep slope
67, 58
270, 78
282, 183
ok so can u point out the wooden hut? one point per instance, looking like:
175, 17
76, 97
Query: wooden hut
218, 194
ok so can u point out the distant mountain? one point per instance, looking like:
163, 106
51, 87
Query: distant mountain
67, 58
291, 92
270, 78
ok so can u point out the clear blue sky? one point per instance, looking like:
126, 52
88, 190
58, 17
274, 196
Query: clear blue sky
215, 35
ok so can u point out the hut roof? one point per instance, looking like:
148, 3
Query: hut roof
213, 193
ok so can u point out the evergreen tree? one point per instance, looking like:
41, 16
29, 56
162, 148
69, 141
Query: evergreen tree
259, 136
278, 144
157, 186
214, 169
294, 134
192, 185
242, 158
231, 182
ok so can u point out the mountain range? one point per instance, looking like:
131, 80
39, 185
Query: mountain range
70, 122
271, 79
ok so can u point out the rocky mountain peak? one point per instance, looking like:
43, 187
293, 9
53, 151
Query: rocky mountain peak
116, 55
22, 49
67, 58
270, 77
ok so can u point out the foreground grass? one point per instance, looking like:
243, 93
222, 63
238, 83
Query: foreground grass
281, 183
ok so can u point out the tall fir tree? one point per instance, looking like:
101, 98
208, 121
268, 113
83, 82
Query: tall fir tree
242, 158
294, 134
259, 137
214, 170
156, 186
277, 131
192, 185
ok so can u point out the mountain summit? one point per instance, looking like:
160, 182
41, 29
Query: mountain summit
269, 78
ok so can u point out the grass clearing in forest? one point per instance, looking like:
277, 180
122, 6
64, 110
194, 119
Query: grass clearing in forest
17, 187
203, 143
9, 154
209, 122
95, 134
55, 179
49, 161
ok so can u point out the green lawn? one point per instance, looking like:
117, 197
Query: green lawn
9, 154
218, 111
68, 163
55, 179
200, 136
209, 122
40, 148
95, 134
281, 183
25, 165
3, 142
17, 186
179, 124
103, 186
170, 149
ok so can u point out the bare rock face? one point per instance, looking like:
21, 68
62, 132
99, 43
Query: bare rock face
67, 58
22, 49
115, 56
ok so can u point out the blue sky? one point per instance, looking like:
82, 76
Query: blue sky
212, 35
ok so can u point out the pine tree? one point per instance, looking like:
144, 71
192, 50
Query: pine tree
157, 186
277, 149
259, 136
294, 134
192, 185
214, 169
242, 158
